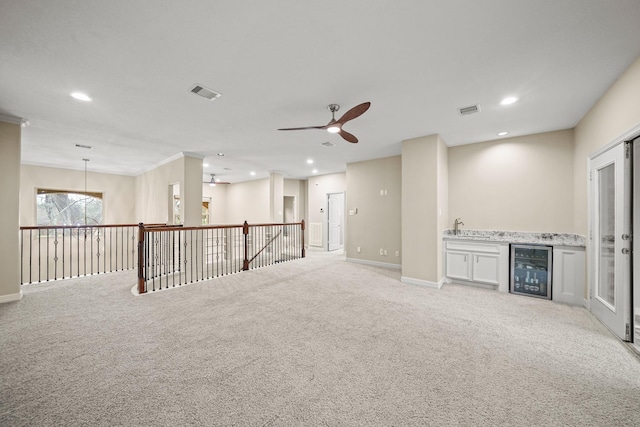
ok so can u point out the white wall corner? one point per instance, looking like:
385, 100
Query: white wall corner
425, 283
11, 297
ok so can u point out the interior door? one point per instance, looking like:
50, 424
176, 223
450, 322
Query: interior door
611, 239
335, 217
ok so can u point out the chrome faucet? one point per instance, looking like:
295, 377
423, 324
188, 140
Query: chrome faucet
457, 224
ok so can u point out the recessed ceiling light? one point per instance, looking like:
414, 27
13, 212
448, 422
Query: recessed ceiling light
503, 133
205, 165
252, 173
509, 100
309, 161
81, 96
221, 154
314, 171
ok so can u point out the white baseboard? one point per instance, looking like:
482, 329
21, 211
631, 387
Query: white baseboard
11, 297
374, 263
426, 283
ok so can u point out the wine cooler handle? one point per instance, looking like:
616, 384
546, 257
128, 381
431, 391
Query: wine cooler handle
626, 237
625, 251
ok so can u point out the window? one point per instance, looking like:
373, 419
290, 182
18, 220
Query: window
60, 207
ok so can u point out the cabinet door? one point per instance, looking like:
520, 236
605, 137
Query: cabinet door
486, 268
568, 276
457, 265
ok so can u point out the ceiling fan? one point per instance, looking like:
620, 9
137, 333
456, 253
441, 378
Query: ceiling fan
335, 126
215, 181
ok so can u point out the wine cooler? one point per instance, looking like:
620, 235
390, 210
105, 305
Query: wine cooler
531, 270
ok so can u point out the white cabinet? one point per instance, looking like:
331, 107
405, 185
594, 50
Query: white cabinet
568, 275
457, 265
486, 268
479, 263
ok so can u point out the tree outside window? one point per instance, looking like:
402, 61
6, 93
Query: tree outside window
59, 207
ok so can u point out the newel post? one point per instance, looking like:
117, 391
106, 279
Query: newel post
141, 260
245, 231
302, 226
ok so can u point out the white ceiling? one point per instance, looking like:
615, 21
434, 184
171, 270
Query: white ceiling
279, 63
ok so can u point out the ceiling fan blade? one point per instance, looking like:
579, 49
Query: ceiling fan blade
304, 128
356, 111
348, 136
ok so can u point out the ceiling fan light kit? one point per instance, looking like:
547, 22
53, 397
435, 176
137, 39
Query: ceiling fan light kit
215, 181
335, 126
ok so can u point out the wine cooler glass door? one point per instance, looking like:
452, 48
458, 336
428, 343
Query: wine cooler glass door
531, 270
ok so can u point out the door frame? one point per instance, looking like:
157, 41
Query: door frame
634, 282
342, 220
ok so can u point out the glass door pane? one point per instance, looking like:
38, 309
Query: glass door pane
606, 214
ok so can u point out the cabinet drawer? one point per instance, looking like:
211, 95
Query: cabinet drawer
467, 246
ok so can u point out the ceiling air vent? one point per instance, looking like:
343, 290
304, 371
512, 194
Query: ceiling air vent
205, 93
465, 111
328, 144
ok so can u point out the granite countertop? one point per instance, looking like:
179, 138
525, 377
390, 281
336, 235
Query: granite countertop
551, 239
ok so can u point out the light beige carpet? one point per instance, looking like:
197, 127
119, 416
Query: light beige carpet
317, 341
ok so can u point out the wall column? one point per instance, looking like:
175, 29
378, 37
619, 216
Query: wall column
10, 135
276, 197
191, 190
424, 209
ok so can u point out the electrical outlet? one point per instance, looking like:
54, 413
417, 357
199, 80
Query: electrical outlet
385, 252
381, 251
397, 253
358, 249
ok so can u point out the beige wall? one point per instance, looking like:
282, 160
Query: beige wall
10, 138
613, 115
217, 206
248, 201
515, 184
276, 200
119, 195
152, 188
191, 188
318, 188
442, 197
377, 224
423, 188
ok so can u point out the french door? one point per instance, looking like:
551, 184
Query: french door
610, 179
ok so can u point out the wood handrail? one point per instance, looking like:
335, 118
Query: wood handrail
51, 227
204, 227
199, 227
